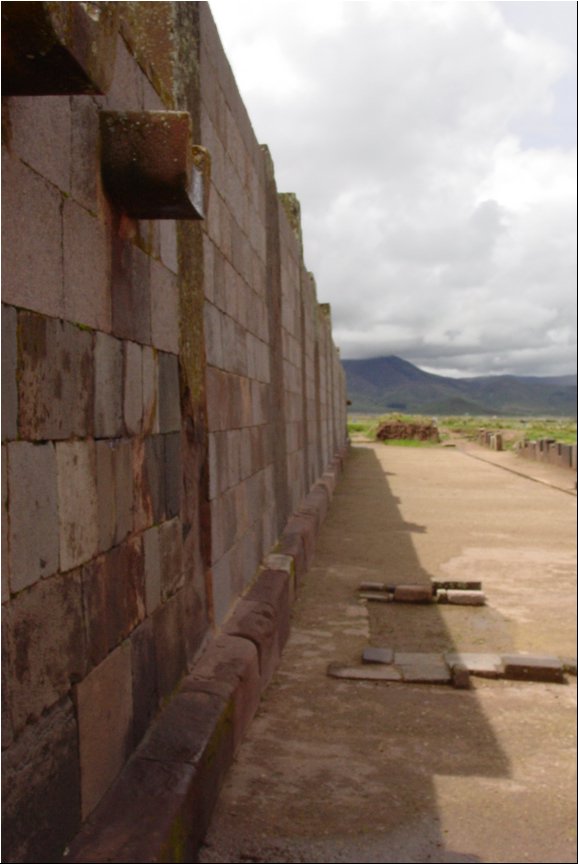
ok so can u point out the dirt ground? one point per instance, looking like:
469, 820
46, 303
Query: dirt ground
343, 771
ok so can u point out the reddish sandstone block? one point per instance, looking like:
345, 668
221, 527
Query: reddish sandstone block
104, 705
145, 696
257, 622
150, 394
77, 502
46, 645
33, 122
169, 393
292, 544
164, 308
32, 270
41, 788
9, 369
153, 485
413, 593
4, 561
133, 387
85, 168
55, 379
170, 624
273, 587
173, 474
163, 562
86, 268
131, 292
33, 536
108, 396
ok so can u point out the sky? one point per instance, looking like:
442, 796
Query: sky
432, 146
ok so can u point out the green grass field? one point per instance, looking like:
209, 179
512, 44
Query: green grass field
514, 429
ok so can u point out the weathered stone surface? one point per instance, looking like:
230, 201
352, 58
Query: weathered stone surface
466, 598
170, 629
461, 676
77, 502
5, 561
529, 667
113, 596
377, 655
45, 645
376, 596
150, 397
483, 665
413, 593
32, 485
169, 393
108, 395
130, 282
369, 672
104, 704
9, 367
41, 788
133, 388
154, 477
145, 694
458, 585
34, 122
55, 379
32, 274
86, 268
372, 586
164, 309
163, 562
423, 668
173, 474
257, 622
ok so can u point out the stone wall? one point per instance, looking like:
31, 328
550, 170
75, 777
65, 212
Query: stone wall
170, 392
545, 450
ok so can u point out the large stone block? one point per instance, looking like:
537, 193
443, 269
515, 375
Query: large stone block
104, 705
131, 297
86, 268
169, 246
85, 182
41, 788
170, 643
35, 121
169, 393
164, 308
150, 391
34, 527
154, 487
257, 622
133, 387
114, 597
173, 474
9, 370
5, 529
32, 266
55, 379
46, 647
115, 491
108, 389
77, 502
163, 562
145, 694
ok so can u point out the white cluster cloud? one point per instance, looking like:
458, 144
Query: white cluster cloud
429, 145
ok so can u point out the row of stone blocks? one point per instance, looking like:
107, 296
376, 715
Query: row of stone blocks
160, 806
550, 451
467, 593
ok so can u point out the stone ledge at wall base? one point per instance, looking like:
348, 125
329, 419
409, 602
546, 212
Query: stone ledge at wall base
160, 806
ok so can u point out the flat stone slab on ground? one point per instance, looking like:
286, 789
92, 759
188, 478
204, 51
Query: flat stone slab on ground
378, 596
458, 585
527, 667
422, 668
413, 594
466, 598
372, 672
377, 655
483, 665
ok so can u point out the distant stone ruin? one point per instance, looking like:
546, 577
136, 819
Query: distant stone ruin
397, 430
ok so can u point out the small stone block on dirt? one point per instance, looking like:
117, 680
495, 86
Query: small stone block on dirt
413, 594
421, 668
525, 667
375, 672
377, 655
461, 677
482, 665
379, 596
372, 586
466, 598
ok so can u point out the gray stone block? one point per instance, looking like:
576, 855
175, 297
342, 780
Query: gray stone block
482, 665
364, 673
86, 268
377, 655
33, 502
55, 379
422, 668
528, 667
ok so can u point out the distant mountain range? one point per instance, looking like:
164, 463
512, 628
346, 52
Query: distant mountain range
383, 384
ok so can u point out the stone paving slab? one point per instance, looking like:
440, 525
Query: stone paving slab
483, 665
377, 655
371, 672
419, 667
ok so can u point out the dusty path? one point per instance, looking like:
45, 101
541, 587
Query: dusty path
343, 771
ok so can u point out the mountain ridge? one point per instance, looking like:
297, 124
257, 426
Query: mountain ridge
390, 383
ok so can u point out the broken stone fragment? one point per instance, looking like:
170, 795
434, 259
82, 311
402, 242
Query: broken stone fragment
466, 598
527, 667
377, 655
413, 594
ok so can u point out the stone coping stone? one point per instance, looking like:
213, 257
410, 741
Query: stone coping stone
422, 668
466, 598
533, 667
377, 655
482, 665
371, 672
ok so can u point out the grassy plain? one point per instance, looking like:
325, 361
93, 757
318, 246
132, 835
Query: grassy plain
514, 429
